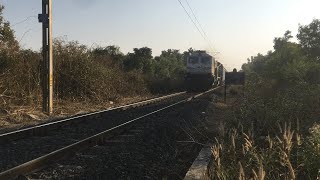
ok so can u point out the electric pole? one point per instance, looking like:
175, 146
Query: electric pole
47, 63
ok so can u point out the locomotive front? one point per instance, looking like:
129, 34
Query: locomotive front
200, 71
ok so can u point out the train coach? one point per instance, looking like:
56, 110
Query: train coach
203, 71
220, 74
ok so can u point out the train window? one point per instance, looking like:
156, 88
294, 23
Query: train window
193, 60
206, 60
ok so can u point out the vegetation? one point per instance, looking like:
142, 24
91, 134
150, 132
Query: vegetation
275, 131
83, 74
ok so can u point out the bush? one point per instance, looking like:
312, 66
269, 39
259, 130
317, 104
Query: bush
84, 74
20, 81
275, 132
81, 75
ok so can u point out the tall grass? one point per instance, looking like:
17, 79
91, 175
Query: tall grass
20, 80
272, 136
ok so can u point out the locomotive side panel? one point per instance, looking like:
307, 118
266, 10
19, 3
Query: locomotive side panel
220, 74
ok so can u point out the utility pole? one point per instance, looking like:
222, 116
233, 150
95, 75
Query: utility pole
47, 63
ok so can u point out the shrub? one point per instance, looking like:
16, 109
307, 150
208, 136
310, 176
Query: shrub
81, 75
275, 133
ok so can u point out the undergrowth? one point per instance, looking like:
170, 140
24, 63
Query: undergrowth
275, 131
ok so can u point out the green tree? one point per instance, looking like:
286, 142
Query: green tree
9, 46
141, 59
283, 65
309, 38
169, 71
7, 38
283, 87
111, 53
280, 42
169, 64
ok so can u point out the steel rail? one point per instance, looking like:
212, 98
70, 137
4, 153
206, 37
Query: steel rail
30, 131
69, 150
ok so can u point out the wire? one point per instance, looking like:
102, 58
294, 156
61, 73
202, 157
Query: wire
26, 19
27, 31
185, 10
195, 17
200, 30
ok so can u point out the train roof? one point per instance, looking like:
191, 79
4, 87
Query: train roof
200, 53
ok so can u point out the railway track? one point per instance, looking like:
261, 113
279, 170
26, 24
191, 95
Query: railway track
24, 145
38, 130
47, 143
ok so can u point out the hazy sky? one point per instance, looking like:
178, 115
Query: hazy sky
237, 29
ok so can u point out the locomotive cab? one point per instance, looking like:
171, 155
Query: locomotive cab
200, 71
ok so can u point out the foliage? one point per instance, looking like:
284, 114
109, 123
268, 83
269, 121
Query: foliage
275, 133
92, 74
286, 155
309, 37
19, 83
8, 44
85, 74
111, 52
168, 72
7, 39
141, 59
19, 80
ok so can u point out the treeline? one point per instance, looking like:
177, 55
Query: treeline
276, 133
85, 74
98, 74
106, 73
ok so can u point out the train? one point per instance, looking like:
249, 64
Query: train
203, 71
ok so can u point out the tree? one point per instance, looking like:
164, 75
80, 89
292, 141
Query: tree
109, 52
285, 65
280, 42
255, 64
7, 38
140, 59
169, 64
309, 38
8, 44
174, 53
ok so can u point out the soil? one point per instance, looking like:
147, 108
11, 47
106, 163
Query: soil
164, 149
17, 117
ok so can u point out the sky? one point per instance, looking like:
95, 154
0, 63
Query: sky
234, 29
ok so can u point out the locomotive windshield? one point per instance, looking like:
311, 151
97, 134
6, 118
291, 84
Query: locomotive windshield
193, 60
206, 60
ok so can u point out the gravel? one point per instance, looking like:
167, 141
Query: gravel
161, 146
23, 150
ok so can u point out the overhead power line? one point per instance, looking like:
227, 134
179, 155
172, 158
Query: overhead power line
194, 23
25, 33
197, 24
195, 17
26, 19
201, 27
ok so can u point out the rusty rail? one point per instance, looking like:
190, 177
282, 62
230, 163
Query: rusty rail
70, 150
38, 129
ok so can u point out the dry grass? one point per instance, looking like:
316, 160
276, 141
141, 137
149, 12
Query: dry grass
14, 117
220, 105
83, 82
240, 151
